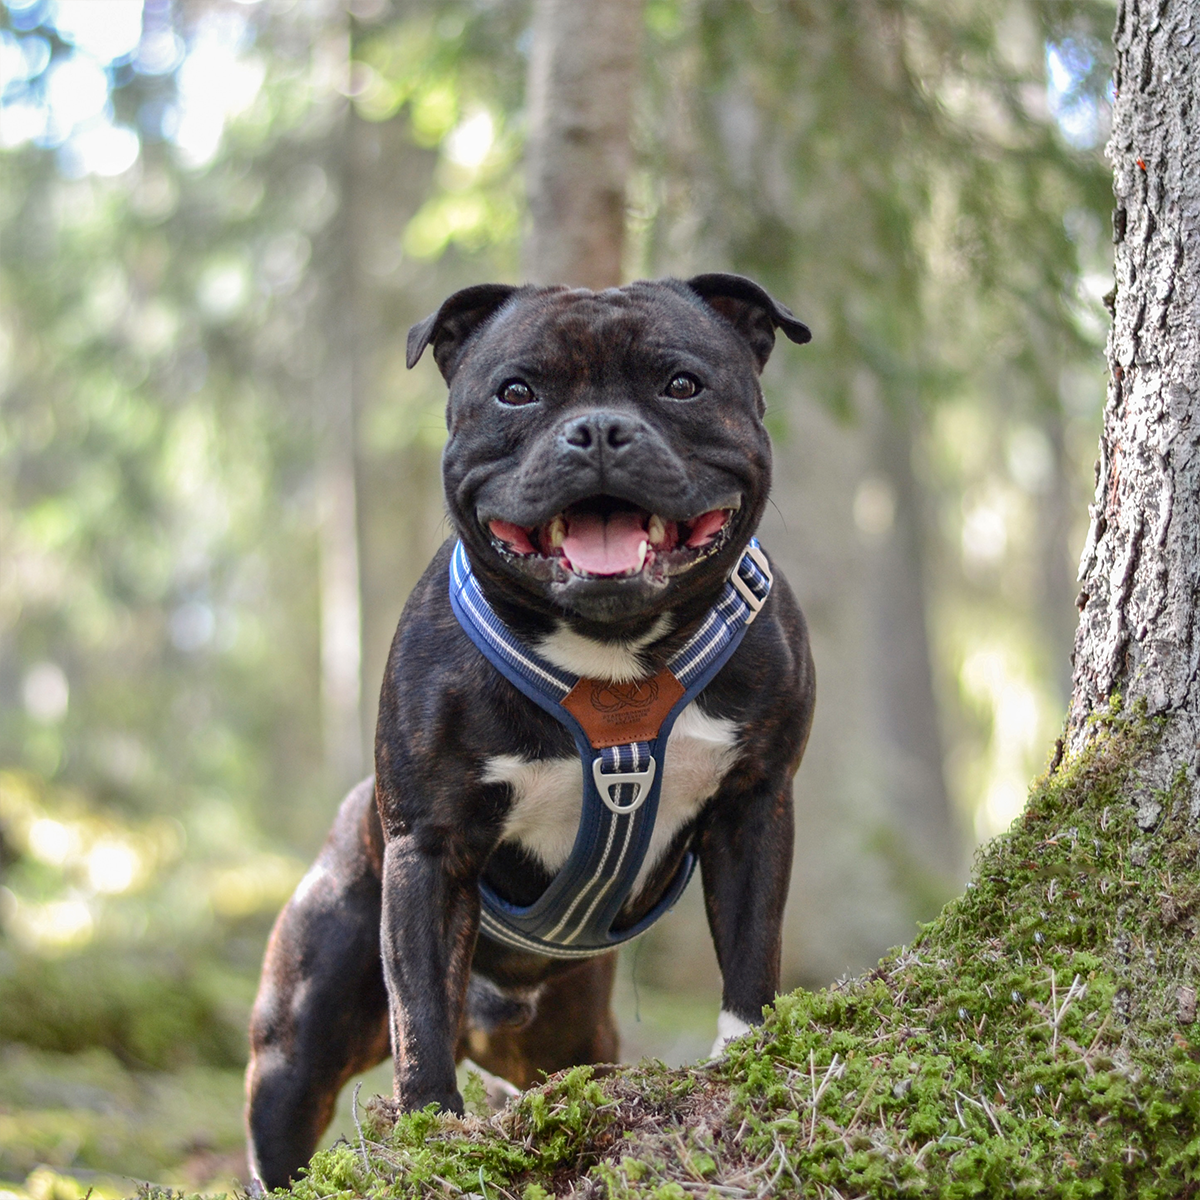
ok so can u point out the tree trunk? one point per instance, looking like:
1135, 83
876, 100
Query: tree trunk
339, 387
1140, 572
1055, 547
583, 73
927, 853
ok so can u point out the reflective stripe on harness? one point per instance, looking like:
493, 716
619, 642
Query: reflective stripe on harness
621, 733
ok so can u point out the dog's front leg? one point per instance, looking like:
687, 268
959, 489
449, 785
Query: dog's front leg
430, 921
745, 864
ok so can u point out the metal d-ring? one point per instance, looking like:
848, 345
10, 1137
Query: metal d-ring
606, 781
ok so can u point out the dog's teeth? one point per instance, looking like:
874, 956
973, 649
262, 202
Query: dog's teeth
642, 554
657, 530
556, 533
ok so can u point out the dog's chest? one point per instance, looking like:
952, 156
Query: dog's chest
548, 793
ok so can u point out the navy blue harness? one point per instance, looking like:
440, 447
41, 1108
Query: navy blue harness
622, 759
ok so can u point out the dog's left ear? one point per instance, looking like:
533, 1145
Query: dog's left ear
450, 327
751, 310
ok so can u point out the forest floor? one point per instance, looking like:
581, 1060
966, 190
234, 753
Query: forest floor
1037, 1039
74, 1122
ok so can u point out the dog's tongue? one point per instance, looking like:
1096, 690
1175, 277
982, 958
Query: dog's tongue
605, 547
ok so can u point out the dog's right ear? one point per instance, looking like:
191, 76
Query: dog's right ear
451, 326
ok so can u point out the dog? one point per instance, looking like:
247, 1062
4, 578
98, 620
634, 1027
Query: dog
606, 469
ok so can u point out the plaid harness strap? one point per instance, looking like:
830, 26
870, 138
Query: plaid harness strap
621, 751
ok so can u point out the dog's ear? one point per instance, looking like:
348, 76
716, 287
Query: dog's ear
751, 310
449, 328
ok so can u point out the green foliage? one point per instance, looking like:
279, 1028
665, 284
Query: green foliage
150, 1011
148, 435
440, 69
886, 168
90, 1114
474, 1095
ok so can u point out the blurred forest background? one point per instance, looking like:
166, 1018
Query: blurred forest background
218, 483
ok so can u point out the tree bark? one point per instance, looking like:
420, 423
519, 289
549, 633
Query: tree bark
1140, 571
583, 73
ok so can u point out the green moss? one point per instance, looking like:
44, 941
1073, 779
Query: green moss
474, 1095
547, 1130
1028, 1043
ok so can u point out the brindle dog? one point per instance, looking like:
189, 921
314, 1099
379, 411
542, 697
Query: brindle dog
606, 466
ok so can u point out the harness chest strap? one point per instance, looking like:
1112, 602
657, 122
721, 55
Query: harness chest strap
620, 732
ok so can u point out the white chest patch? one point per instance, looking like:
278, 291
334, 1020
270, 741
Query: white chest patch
548, 792
619, 662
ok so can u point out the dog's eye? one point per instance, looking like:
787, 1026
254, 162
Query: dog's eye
683, 387
515, 392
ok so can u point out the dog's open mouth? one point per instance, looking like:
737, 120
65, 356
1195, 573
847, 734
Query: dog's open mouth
602, 537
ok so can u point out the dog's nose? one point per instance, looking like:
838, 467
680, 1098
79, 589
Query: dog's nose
601, 430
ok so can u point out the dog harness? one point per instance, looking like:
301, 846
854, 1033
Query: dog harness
620, 731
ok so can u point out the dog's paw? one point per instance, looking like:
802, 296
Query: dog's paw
728, 1028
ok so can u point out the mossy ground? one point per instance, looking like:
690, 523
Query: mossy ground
89, 1117
117, 1067
1036, 1039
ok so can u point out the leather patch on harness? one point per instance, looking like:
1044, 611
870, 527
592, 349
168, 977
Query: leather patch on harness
615, 713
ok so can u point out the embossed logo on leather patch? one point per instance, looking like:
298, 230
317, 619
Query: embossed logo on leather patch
612, 697
614, 713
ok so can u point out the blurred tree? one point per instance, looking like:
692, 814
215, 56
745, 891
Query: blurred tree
584, 71
891, 171
345, 326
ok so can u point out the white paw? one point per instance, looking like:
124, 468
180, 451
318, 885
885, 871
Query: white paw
728, 1028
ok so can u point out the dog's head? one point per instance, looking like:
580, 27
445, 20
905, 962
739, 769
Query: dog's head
607, 454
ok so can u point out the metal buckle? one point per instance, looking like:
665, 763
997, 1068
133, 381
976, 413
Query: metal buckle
753, 602
605, 782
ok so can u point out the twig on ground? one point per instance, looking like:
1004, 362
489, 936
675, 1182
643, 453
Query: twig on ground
831, 1072
1059, 1011
768, 1188
362, 1141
